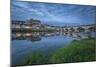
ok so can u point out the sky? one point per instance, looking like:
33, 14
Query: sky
53, 13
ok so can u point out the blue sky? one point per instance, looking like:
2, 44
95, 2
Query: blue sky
54, 13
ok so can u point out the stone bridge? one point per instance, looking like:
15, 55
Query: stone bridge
85, 28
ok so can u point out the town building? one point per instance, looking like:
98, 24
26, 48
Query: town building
30, 24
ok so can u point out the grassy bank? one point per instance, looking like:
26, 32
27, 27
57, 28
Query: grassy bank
35, 58
78, 51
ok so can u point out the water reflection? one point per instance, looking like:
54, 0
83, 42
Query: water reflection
44, 42
37, 36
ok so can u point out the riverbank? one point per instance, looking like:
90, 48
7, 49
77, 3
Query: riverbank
77, 51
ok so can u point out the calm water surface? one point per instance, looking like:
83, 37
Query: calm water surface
47, 45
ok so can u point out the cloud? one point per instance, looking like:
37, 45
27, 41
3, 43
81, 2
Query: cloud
53, 13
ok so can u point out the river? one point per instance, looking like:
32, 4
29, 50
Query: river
46, 43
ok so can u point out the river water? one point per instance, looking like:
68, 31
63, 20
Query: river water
46, 43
